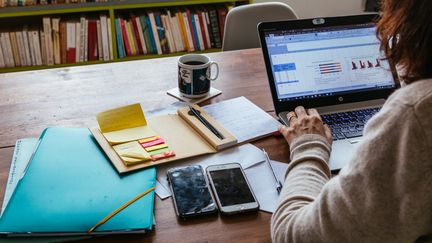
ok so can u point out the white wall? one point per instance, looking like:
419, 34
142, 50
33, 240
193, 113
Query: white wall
323, 8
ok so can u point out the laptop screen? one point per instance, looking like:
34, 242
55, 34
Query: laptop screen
326, 61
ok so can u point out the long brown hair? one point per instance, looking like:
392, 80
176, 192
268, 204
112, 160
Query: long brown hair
405, 31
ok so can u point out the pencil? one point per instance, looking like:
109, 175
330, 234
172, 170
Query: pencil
119, 209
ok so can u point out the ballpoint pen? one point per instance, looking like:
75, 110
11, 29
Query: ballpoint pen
279, 184
205, 122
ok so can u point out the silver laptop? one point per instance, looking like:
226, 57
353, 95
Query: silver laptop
333, 65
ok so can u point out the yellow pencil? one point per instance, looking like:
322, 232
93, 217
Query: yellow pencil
119, 209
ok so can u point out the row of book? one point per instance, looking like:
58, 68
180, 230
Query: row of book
57, 42
171, 30
19, 3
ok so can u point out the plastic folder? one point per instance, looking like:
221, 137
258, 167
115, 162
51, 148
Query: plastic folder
70, 185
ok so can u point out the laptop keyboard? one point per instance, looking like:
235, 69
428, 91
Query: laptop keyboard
348, 124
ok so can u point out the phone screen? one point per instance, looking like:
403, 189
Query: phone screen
190, 191
231, 187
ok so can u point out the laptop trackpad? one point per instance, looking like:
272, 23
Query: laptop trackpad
342, 152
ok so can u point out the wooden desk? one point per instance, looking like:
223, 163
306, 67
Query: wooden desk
71, 97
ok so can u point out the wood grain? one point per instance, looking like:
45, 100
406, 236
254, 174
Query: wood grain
31, 101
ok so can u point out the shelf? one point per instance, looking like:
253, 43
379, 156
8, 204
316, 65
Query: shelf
130, 58
49, 9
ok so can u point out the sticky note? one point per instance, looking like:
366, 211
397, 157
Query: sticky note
149, 139
132, 152
159, 151
152, 143
163, 155
124, 124
160, 146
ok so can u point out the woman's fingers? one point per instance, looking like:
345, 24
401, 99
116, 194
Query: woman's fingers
328, 133
300, 112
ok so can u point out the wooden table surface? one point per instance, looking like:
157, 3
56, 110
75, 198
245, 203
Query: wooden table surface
71, 97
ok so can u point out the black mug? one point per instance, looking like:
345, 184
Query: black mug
194, 75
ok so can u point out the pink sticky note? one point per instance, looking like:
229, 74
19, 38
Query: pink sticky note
153, 143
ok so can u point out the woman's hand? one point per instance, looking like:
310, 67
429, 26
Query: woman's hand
304, 122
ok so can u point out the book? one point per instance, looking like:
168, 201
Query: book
69, 185
120, 46
56, 39
63, 42
171, 47
177, 35
151, 35
192, 30
131, 38
110, 39
127, 46
37, 46
99, 40
46, 21
141, 35
188, 31
155, 33
21, 50
70, 42
42, 42
77, 41
27, 46
199, 32
104, 34
215, 28
161, 33
138, 42
222, 12
204, 29
31, 48
146, 34
92, 40
209, 29
2, 61
182, 27
15, 52
82, 38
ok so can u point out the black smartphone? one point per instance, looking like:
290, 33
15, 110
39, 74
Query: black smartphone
191, 194
231, 188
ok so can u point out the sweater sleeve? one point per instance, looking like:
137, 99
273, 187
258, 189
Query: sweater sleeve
382, 195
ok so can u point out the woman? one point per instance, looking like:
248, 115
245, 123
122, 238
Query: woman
385, 193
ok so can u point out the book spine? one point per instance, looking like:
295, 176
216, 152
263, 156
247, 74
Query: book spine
161, 32
128, 49
77, 41
131, 38
135, 30
26, 46
86, 28
82, 38
63, 42
104, 34
146, 34
151, 35
120, 45
99, 40
155, 32
70, 42
141, 35
188, 31
215, 28
37, 47
199, 32
191, 22
171, 47
92, 40
31, 48
222, 12
204, 29
14, 46
21, 50
209, 29
2, 61
48, 40
42, 42
176, 33
110, 40
56, 39
183, 30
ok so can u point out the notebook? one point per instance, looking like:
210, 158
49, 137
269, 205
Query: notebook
332, 64
69, 186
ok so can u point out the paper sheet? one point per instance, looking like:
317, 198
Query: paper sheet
247, 155
242, 118
253, 162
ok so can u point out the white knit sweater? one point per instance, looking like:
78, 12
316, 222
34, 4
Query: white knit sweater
384, 194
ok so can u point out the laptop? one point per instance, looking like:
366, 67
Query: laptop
331, 64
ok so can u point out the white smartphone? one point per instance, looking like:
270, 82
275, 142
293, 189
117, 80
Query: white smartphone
231, 188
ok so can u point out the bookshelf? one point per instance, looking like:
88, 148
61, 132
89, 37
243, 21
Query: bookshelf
18, 17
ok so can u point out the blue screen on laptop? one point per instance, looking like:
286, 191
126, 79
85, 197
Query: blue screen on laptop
326, 61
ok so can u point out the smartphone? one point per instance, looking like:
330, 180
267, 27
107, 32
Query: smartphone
231, 188
190, 190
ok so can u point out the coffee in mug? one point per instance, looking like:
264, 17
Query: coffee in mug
194, 75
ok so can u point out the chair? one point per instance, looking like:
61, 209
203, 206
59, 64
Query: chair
241, 23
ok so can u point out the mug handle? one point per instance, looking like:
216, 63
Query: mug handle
217, 71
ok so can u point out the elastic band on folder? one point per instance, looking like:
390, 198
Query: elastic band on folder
119, 209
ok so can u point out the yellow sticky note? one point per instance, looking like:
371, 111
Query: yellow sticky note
132, 152
124, 124
156, 147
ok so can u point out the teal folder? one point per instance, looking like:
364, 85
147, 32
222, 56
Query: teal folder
70, 185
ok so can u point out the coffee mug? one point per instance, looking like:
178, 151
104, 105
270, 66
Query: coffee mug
194, 75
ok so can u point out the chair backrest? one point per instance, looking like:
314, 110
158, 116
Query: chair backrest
241, 23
